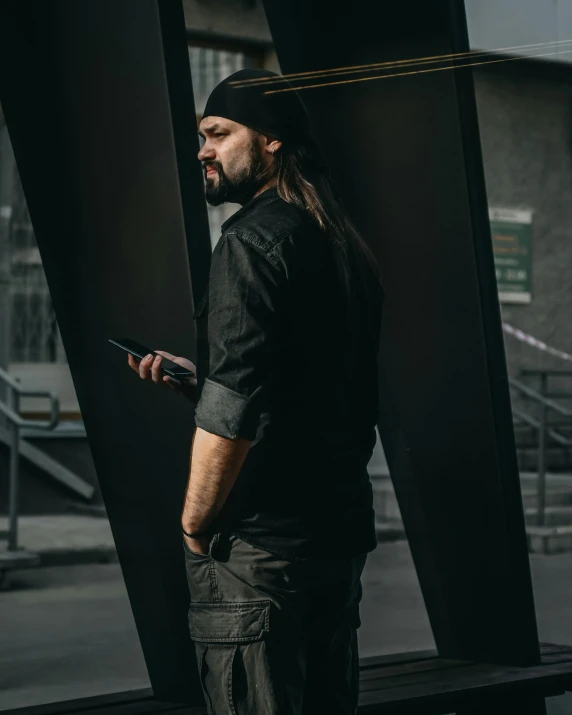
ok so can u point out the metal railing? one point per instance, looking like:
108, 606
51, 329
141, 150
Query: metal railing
10, 409
545, 375
544, 431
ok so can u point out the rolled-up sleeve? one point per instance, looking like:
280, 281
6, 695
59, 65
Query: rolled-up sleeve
245, 289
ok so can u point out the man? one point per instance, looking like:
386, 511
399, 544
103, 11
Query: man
278, 516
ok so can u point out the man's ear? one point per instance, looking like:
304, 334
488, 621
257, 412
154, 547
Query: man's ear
273, 145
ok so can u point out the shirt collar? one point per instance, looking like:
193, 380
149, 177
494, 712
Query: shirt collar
265, 197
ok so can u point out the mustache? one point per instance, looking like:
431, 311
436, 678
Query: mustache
215, 165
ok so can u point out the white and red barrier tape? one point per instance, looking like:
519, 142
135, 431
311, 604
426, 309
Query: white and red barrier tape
531, 340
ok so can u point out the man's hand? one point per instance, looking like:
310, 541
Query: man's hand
150, 369
198, 546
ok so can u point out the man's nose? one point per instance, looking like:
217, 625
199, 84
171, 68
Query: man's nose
205, 152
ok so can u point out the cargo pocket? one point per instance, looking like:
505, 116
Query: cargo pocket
230, 644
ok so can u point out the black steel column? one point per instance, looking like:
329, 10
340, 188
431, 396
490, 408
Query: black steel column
405, 153
98, 100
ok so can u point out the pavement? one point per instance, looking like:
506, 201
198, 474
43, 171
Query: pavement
68, 631
64, 539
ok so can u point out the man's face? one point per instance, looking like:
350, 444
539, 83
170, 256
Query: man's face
234, 162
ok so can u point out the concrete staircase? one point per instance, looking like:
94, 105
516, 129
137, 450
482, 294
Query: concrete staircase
45, 464
554, 537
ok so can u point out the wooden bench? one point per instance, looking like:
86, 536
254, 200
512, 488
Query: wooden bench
416, 683
431, 685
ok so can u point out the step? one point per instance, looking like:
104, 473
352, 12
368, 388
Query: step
549, 539
19, 559
556, 460
384, 500
87, 509
60, 537
555, 498
391, 530
558, 493
554, 537
553, 516
558, 489
63, 430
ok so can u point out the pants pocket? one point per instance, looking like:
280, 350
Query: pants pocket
229, 622
230, 642
194, 554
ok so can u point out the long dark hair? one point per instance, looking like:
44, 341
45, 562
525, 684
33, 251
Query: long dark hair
303, 179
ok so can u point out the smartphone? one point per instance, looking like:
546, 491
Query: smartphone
140, 351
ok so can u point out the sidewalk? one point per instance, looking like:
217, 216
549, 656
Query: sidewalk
64, 539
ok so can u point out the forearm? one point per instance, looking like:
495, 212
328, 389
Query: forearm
215, 464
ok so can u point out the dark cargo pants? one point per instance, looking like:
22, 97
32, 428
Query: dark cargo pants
274, 637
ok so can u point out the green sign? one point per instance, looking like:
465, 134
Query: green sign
512, 247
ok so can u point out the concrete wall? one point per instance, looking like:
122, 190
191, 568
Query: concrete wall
495, 24
526, 133
237, 19
232, 20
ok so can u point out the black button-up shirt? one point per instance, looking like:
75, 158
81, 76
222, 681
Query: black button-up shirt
278, 364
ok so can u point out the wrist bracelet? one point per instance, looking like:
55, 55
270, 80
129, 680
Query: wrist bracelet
194, 535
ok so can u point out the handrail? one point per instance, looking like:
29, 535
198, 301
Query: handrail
534, 395
23, 392
9, 380
532, 422
20, 422
523, 417
553, 373
10, 410
541, 425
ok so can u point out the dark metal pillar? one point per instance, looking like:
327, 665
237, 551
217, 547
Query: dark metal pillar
405, 153
98, 100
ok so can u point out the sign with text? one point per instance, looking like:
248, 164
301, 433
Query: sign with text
512, 247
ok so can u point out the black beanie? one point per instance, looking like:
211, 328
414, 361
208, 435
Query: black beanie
280, 115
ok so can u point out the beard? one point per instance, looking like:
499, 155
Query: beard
239, 186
